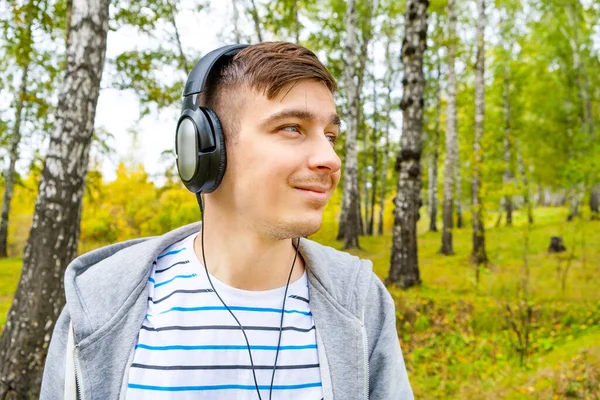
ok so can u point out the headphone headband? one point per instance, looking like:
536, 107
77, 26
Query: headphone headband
201, 71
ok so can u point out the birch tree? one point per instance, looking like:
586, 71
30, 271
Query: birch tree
433, 158
54, 234
351, 193
573, 11
478, 254
404, 264
450, 163
375, 162
507, 140
388, 79
434, 96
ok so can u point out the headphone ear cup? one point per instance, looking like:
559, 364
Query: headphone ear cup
215, 124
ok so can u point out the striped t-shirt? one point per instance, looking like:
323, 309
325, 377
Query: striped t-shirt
191, 347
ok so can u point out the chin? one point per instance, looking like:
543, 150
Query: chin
297, 226
306, 228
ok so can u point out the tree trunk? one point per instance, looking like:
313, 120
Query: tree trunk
54, 234
508, 175
458, 196
365, 181
404, 264
351, 192
451, 137
433, 158
574, 201
256, 20
342, 223
362, 67
386, 147
371, 208
9, 177
595, 202
478, 254
587, 119
526, 189
354, 114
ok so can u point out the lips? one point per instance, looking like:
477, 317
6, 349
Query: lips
315, 194
314, 188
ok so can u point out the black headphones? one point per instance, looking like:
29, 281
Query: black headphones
199, 140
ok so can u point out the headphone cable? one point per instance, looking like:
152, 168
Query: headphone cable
200, 202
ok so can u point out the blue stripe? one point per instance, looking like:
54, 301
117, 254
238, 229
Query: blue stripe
224, 347
236, 308
171, 280
169, 253
221, 387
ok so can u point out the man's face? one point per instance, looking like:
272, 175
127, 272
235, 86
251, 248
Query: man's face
281, 166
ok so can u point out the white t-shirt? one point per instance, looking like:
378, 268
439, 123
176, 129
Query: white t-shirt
191, 347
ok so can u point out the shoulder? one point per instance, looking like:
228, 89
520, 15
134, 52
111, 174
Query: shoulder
343, 276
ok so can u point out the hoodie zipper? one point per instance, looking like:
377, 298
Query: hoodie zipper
366, 358
78, 384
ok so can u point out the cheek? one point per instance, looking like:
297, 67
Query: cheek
258, 169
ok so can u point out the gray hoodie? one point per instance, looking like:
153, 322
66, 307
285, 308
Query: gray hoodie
106, 292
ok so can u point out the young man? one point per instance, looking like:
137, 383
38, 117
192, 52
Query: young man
241, 306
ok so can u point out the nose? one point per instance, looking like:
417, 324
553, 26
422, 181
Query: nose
323, 156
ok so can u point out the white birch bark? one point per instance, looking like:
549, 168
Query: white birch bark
507, 176
350, 188
478, 254
386, 146
451, 137
433, 157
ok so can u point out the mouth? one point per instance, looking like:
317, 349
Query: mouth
315, 194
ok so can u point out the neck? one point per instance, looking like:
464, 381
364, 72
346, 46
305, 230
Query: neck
241, 257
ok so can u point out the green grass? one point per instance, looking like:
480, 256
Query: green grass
454, 331
10, 271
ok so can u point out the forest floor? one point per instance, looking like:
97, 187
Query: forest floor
465, 338
460, 336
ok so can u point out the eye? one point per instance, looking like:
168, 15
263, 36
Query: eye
291, 128
332, 139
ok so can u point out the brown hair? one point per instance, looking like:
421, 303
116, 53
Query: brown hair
266, 68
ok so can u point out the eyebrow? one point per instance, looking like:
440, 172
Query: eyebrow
333, 119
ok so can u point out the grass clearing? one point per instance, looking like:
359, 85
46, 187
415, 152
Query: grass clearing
10, 272
454, 331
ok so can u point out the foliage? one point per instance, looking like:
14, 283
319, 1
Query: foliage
131, 206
